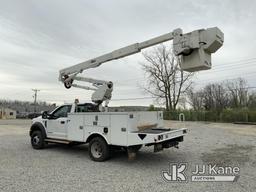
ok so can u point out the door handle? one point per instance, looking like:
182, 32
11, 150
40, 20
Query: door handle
62, 122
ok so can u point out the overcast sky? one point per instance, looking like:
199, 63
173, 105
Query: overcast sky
38, 38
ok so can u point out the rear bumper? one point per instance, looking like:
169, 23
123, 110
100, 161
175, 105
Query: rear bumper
166, 144
166, 137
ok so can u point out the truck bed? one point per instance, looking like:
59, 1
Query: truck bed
121, 128
154, 130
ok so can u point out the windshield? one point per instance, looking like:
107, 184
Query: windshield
87, 107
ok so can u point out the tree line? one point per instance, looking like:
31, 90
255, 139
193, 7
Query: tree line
173, 88
230, 94
23, 108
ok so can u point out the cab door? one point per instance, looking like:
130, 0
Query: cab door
57, 122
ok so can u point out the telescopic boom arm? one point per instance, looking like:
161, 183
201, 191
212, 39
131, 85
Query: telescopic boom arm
117, 54
195, 49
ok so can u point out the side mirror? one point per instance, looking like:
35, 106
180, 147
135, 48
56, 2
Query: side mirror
45, 115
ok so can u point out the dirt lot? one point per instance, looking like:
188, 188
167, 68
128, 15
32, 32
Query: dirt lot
63, 168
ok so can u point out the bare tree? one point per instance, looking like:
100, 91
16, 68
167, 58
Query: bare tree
166, 80
214, 96
218, 96
196, 99
238, 92
252, 100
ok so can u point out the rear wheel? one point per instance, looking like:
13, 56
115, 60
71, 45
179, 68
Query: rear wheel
98, 149
37, 140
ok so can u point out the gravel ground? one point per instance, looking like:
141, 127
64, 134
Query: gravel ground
63, 168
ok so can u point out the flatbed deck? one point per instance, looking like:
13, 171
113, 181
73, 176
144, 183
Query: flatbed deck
154, 130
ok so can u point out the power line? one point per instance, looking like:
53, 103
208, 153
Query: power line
218, 69
126, 99
204, 81
136, 98
35, 97
238, 61
141, 98
242, 66
236, 64
144, 98
202, 75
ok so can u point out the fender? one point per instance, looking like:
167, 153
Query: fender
95, 134
37, 127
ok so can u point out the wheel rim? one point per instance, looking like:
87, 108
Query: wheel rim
36, 140
96, 150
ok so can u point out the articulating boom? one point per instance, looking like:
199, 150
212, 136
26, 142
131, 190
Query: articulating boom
195, 49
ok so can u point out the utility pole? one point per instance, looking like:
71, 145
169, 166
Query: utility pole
35, 98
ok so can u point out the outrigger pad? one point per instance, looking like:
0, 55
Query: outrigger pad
131, 154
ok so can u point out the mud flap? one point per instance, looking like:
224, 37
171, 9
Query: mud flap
158, 147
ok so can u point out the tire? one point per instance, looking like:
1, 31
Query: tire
37, 140
99, 150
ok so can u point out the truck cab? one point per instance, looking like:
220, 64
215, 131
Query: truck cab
56, 122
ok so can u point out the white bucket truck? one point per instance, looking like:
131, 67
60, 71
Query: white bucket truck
92, 123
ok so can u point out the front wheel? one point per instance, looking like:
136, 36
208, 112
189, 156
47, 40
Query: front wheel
99, 149
37, 140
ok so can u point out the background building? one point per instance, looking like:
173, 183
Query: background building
7, 113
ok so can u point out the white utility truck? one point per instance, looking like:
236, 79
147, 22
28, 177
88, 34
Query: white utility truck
92, 122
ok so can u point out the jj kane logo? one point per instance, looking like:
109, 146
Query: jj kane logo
176, 172
201, 173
